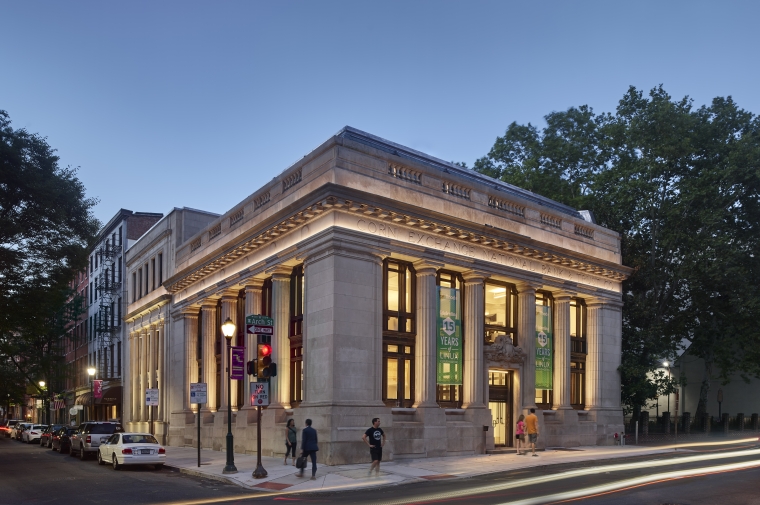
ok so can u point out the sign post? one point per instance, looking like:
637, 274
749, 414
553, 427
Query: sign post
259, 325
151, 400
198, 395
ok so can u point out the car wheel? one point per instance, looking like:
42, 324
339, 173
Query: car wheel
116, 465
82, 454
72, 453
100, 459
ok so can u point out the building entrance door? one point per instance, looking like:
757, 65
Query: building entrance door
500, 403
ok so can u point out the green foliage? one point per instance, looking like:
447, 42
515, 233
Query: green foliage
681, 187
46, 224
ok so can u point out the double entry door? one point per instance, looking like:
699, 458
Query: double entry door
500, 403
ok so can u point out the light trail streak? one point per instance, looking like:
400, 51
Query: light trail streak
532, 481
707, 444
632, 483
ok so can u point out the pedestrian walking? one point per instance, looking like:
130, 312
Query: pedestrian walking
520, 435
309, 448
374, 437
531, 422
290, 441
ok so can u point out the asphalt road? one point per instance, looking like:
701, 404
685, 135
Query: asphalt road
30, 474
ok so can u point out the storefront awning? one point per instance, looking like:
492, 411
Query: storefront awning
84, 399
111, 396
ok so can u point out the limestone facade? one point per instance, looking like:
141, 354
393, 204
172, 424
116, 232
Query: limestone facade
345, 250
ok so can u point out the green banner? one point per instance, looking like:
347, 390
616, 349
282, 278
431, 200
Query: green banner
543, 347
449, 341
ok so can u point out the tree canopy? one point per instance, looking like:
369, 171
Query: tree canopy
46, 224
681, 185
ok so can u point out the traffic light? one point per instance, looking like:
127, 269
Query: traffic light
252, 367
264, 367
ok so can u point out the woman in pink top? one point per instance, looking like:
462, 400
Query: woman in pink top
520, 433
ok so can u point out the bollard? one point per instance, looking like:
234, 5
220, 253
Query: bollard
686, 423
666, 422
754, 422
740, 421
637, 433
706, 418
724, 423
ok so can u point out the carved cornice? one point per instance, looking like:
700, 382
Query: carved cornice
513, 246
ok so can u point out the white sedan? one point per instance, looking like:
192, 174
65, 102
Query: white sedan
33, 433
131, 449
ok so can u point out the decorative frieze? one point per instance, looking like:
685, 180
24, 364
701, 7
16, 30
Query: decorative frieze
405, 174
261, 201
584, 232
456, 190
550, 220
291, 180
215, 231
506, 206
237, 216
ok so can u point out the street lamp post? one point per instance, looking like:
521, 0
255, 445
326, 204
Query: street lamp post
42, 387
91, 412
228, 330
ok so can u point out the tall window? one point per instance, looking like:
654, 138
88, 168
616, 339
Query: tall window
544, 397
296, 335
153, 273
160, 269
398, 333
451, 396
134, 287
578, 352
139, 284
500, 311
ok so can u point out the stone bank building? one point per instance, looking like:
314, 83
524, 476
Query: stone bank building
348, 251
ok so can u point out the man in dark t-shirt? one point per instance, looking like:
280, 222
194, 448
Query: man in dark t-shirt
375, 439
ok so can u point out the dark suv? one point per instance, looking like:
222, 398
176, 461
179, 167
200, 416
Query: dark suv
90, 435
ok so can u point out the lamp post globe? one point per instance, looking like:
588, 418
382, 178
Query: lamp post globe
228, 330
91, 372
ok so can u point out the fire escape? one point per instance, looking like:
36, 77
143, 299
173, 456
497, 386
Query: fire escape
108, 319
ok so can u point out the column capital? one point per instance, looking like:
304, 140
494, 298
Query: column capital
525, 287
425, 266
596, 303
229, 295
561, 296
279, 271
475, 276
253, 284
208, 304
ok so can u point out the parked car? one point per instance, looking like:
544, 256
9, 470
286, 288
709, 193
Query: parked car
90, 435
131, 449
61, 439
32, 434
8, 426
18, 429
47, 435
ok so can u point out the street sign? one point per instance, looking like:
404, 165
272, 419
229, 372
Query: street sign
259, 394
151, 397
255, 324
237, 372
198, 392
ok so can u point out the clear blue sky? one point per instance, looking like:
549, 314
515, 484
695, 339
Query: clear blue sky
197, 104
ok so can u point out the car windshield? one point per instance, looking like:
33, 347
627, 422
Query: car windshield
70, 431
38, 426
139, 439
103, 429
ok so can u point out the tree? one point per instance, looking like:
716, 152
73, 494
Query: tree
46, 224
681, 187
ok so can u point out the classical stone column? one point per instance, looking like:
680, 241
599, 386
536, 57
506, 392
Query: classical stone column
160, 370
143, 373
280, 387
561, 335
593, 358
209, 330
474, 333
134, 373
190, 317
151, 356
253, 306
229, 309
425, 359
526, 339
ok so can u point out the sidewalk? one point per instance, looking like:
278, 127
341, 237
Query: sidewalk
349, 477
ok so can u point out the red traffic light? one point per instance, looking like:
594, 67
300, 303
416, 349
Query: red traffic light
265, 350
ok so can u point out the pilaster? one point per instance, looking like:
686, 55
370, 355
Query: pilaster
229, 309
143, 373
209, 331
526, 339
253, 305
280, 387
190, 325
425, 358
474, 333
561, 374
